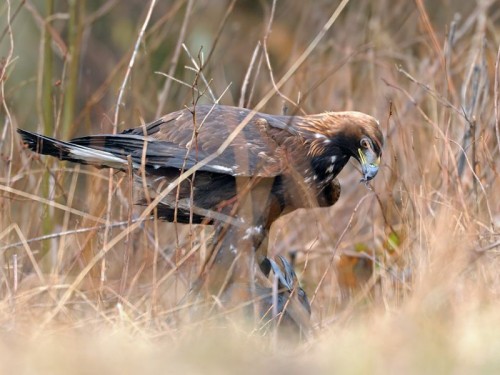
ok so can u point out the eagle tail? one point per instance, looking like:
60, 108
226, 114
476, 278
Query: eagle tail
70, 151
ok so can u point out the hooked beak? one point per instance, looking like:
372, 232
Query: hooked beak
370, 163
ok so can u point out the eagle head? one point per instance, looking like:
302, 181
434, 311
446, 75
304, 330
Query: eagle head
337, 136
365, 142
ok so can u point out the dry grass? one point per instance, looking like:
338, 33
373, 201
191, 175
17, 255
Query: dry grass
107, 295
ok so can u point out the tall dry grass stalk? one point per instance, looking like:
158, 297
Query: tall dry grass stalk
402, 275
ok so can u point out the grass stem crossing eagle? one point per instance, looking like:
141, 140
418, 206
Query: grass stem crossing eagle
299, 153
274, 165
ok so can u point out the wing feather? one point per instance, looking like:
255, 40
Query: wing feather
170, 140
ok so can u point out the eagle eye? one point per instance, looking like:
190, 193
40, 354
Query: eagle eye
365, 143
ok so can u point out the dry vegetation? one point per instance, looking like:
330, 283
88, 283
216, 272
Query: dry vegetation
403, 276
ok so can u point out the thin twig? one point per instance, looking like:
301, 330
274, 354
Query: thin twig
442, 100
190, 85
69, 232
100, 12
117, 111
496, 99
337, 244
131, 64
14, 227
246, 80
8, 28
488, 247
218, 34
50, 203
3, 75
175, 59
197, 68
478, 181
268, 60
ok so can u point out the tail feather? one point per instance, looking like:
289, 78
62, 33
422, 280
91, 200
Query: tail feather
70, 151
113, 151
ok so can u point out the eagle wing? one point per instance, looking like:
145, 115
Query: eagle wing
183, 138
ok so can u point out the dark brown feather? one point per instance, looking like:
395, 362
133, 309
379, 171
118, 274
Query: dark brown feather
274, 165
302, 153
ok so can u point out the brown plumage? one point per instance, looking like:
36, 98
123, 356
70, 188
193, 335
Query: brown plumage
274, 165
301, 154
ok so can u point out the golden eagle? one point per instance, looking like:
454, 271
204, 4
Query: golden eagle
298, 153
275, 164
